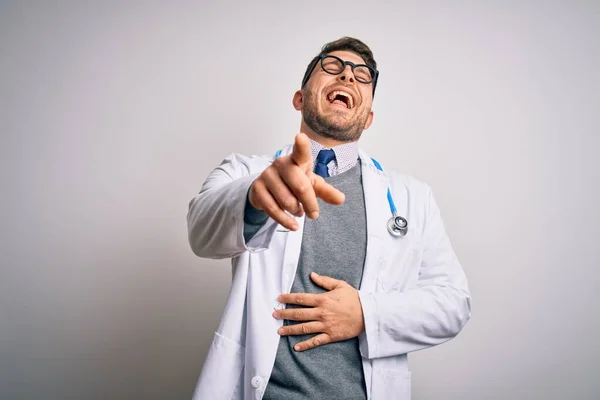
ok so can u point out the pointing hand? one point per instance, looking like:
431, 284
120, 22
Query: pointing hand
289, 184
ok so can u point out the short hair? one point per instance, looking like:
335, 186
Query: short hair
343, 44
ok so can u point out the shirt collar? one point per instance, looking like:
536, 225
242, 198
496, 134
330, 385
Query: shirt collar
346, 155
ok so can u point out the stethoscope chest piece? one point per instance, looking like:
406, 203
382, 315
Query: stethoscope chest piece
397, 226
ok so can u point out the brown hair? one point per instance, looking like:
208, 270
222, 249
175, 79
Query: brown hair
344, 44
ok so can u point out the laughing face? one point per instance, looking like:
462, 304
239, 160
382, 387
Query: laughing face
336, 107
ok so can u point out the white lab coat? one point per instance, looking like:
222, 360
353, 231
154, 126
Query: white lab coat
414, 293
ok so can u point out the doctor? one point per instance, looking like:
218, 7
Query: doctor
328, 294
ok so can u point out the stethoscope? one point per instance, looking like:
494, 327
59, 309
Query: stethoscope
397, 226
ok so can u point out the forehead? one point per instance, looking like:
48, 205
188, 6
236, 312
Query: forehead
348, 56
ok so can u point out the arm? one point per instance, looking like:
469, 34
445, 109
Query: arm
216, 215
226, 211
431, 313
253, 220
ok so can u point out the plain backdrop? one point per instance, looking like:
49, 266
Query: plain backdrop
113, 113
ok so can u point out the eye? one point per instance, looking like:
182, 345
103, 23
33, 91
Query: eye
332, 65
363, 74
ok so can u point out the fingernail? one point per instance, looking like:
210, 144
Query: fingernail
297, 348
275, 315
314, 215
280, 331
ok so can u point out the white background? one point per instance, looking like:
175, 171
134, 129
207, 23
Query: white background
112, 114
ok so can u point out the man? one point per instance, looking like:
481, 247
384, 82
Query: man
326, 299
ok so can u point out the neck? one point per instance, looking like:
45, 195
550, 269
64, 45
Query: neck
325, 141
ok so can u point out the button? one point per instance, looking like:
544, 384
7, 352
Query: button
256, 382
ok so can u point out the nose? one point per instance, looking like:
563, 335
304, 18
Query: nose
347, 75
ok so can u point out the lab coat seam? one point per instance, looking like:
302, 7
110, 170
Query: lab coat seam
377, 328
228, 339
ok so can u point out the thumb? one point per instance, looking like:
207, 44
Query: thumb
301, 154
325, 191
326, 282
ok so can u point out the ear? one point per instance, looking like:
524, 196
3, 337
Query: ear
298, 100
369, 120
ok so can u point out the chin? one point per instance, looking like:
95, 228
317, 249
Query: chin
340, 122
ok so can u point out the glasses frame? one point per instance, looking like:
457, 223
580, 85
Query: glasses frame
320, 59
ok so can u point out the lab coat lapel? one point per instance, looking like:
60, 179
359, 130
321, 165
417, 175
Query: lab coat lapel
293, 244
380, 244
375, 184
291, 255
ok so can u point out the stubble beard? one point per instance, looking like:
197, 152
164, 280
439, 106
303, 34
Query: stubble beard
321, 125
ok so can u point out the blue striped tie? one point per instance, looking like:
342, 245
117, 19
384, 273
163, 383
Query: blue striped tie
324, 158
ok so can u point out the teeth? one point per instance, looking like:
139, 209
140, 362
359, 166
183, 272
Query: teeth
335, 93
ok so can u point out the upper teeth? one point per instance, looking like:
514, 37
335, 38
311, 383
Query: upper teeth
335, 93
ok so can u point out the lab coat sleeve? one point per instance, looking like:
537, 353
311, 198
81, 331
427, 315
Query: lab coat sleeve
430, 313
216, 215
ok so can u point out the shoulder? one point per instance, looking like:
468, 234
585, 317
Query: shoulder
246, 163
399, 182
410, 182
416, 193
252, 163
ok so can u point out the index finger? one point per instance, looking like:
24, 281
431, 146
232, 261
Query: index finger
301, 299
301, 154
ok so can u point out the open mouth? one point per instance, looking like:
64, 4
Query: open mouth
341, 98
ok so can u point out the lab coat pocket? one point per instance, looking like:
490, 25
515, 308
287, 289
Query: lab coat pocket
391, 384
401, 270
222, 371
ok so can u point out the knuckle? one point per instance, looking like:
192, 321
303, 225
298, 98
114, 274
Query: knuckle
279, 163
298, 300
318, 182
258, 187
316, 341
297, 314
266, 174
271, 208
258, 183
290, 203
305, 329
325, 301
303, 189
276, 163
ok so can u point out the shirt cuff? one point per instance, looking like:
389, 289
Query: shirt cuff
254, 219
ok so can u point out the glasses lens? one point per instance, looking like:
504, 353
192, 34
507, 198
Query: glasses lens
363, 74
332, 65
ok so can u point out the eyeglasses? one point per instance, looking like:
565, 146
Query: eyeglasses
334, 65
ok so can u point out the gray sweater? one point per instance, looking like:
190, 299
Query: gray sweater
333, 245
